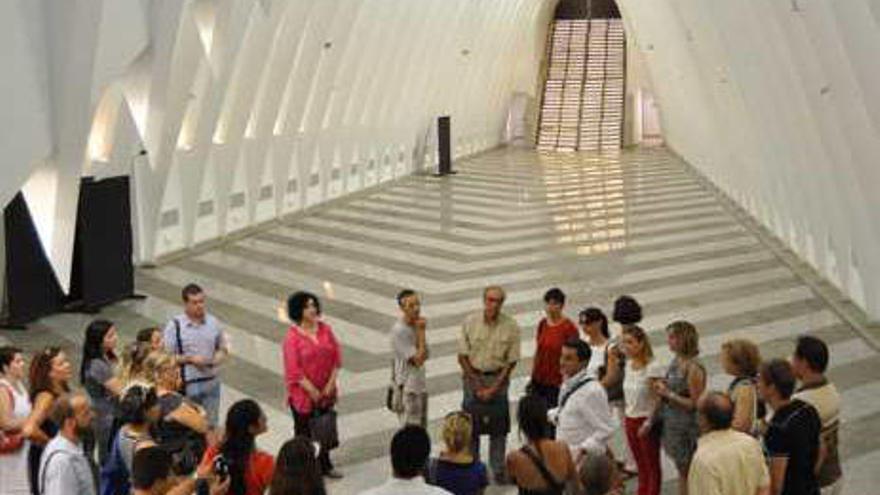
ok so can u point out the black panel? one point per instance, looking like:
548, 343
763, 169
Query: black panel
444, 144
103, 271
32, 290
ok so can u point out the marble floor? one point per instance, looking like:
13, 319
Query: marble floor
640, 223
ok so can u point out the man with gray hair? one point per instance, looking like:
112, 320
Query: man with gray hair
64, 468
488, 350
727, 462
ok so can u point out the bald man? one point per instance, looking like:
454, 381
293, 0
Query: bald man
64, 468
727, 462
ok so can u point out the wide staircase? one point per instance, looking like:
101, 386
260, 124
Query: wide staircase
582, 108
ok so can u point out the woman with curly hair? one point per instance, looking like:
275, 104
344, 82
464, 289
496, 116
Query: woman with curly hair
312, 358
741, 359
49, 375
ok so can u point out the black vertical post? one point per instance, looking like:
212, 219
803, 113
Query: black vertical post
444, 146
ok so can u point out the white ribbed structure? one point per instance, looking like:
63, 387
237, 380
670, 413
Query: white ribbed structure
251, 109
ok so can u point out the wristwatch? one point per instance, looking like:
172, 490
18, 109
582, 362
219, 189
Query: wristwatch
202, 486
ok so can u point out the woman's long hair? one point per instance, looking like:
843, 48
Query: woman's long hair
93, 347
296, 470
532, 418
238, 443
131, 368
39, 378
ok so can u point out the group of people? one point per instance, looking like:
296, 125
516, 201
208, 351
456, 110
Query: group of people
773, 431
145, 420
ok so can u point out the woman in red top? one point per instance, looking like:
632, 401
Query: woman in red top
553, 331
311, 362
250, 470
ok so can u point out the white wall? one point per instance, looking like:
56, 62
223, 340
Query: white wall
248, 109
778, 103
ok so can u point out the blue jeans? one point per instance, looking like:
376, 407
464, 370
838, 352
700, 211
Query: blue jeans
207, 395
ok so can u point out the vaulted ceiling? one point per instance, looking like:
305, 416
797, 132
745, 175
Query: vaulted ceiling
251, 109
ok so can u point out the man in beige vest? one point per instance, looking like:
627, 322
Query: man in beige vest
488, 350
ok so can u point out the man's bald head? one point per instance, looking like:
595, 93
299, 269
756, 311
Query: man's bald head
716, 411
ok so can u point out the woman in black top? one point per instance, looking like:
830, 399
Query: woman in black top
543, 466
182, 424
456, 470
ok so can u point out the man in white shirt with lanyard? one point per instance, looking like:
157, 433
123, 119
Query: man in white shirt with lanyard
583, 419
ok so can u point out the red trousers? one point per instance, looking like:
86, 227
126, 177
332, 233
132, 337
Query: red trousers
646, 452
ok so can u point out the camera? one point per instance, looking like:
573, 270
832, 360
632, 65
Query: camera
221, 467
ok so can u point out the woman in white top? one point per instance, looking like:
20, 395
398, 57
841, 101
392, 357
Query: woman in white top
15, 407
640, 403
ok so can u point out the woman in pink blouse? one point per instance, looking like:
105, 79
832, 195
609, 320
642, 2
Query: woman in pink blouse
311, 362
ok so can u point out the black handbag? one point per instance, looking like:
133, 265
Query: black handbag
322, 428
394, 398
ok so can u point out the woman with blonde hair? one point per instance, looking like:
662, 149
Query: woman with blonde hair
684, 384
163, 370
456, 470
182, 425
741, 359
131, 366
642, 370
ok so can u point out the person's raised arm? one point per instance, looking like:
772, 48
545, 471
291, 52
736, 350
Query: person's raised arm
190, 417
39, 413
613, 376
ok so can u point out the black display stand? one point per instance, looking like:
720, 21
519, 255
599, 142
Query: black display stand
32, 290
102, 269
444, 146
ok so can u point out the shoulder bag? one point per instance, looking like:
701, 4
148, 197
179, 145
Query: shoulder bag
10, 441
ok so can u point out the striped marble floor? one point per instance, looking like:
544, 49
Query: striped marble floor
639, 223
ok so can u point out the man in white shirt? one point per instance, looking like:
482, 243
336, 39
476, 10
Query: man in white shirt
410, 449
64, 468
583, 419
